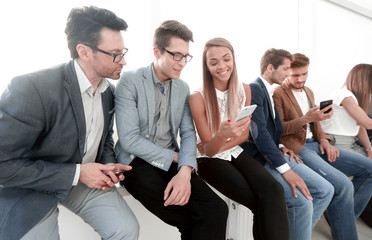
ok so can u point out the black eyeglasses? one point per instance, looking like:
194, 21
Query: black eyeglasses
178, 56
117, 57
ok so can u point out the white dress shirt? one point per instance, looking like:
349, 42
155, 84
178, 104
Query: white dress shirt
94, 120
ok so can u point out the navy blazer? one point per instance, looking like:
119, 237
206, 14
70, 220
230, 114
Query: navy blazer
265, 131
42, 132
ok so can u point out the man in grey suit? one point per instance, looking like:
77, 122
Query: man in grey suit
56, 143
152, 108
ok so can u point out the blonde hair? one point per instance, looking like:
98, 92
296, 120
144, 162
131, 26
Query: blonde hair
359, 82
234, 97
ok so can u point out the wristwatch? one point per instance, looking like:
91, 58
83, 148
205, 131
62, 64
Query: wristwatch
368, 149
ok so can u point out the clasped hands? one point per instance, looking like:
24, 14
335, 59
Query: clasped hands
100, 176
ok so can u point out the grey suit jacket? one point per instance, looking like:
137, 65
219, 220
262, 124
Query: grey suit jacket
135, 110
42, 132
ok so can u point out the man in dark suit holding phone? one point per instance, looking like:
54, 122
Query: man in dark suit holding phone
306, 206
56, 145
303, 133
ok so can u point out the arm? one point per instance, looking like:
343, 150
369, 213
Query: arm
357, 112
268, 147
187, 153
178, 190
260, 134
22, 124
243, 125
364, 140
218, 143
299, 123
129, 102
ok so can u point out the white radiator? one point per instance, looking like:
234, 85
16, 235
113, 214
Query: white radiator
239, 222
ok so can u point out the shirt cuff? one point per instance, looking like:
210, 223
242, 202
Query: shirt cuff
283, 168
77, 175
281, 146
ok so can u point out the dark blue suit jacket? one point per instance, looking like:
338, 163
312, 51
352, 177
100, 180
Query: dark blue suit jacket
265, 131
42, 132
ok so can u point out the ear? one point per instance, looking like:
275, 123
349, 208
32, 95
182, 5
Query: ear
156, 52
270, 68
85, 53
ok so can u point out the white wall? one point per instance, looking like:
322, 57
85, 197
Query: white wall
333, 37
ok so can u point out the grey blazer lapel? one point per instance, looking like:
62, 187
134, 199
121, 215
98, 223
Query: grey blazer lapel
73, 89
148, 85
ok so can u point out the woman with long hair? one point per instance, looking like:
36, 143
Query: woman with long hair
352, 104
221, 161
353, 108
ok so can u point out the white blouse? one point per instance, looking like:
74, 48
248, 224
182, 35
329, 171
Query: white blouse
222, 102
341, 122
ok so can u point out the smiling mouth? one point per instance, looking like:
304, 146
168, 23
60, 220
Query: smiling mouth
221, 73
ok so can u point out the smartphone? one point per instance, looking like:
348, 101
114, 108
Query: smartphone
116, 173
324, 104
245, 112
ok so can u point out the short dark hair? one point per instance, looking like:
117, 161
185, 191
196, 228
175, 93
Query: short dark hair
275, 57
300, 60
168, 29
85, 24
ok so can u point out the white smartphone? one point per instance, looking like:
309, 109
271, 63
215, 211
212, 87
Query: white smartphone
245, 112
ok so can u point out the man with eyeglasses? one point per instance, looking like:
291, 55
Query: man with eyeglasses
56, 145
152, 110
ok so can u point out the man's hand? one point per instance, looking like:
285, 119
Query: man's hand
93, 174
292, 155
313, 115
326, 147
118, 173
296, 182
178, 190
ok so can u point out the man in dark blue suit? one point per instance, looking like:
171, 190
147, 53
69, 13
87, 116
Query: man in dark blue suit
304, 207
56, 143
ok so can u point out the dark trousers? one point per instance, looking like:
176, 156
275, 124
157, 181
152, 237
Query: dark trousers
247, 182
204, 217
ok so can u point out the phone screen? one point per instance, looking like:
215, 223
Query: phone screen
324, 104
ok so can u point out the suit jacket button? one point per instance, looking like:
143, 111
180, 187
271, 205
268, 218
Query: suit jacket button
131, 156
147, 136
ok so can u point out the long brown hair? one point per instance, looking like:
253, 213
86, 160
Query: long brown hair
234, 96
359, 82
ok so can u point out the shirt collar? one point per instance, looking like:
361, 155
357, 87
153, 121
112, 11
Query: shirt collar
85, 84
270, 88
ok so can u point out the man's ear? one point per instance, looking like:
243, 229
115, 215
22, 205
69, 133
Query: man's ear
85, 52
156, 52
270, 68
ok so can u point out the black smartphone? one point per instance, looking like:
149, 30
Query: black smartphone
324, 104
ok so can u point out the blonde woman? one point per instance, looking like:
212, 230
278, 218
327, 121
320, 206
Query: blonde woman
221, 161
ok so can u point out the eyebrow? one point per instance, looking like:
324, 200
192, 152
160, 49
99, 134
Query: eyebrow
211, 59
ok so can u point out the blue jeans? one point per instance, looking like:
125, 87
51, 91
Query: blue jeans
302, 213
350, 197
